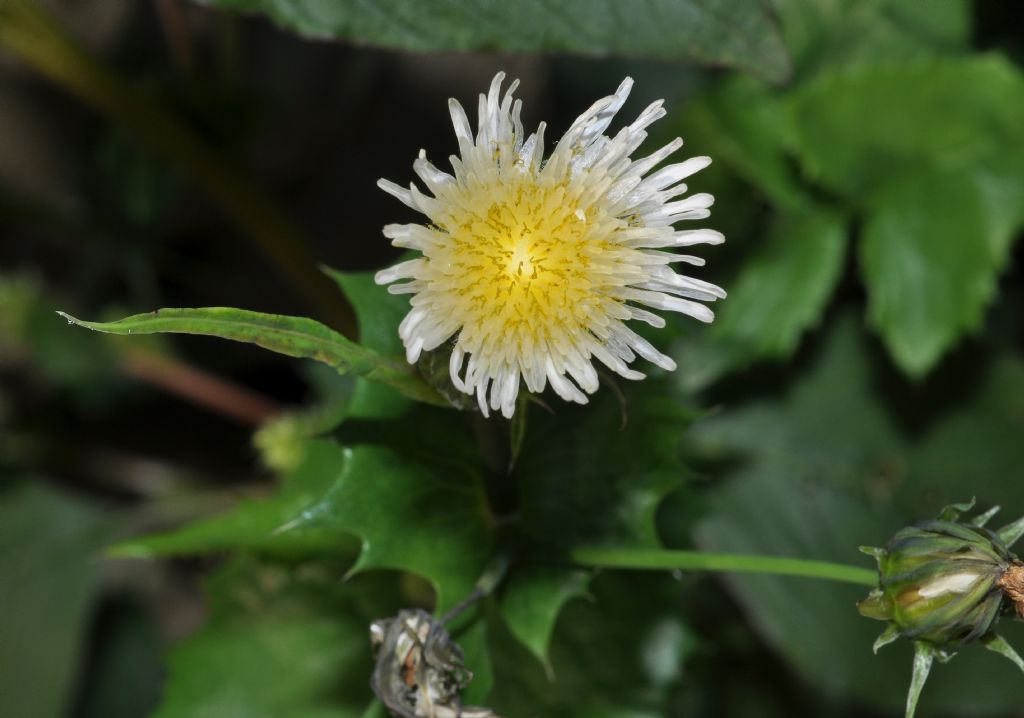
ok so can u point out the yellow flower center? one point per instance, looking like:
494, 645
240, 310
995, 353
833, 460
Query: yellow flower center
520, 262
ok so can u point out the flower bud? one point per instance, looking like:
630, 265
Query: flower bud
944, 583
939, 582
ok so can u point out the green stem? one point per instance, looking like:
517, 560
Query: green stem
35, 38
653, 559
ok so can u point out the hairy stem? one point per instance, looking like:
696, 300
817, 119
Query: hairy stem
724, 563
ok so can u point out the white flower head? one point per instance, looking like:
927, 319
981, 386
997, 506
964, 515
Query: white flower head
534, 266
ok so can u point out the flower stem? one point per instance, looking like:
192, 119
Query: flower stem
652, 559
38, 40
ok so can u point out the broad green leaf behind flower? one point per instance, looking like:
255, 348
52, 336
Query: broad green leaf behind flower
730, 32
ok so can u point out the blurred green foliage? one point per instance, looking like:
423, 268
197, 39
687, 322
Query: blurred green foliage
870, 176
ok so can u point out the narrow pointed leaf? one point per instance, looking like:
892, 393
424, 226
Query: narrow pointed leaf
293, 336
1011, 533
996, 643
923, 655
981, 519
890, 634
878, 553
953, 511
401, 479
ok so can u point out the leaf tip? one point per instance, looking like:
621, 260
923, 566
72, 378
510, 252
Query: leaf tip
70, 319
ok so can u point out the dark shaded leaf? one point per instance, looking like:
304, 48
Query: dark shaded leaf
532, 599
827, 468
746, 125
256, 524
49, 576
621, 653
784, 288
728, 32
125, 673
595, 475
279, 641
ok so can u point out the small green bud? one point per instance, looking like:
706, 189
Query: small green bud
944, 583
939, 582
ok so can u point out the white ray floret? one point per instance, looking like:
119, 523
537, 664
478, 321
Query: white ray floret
534, 266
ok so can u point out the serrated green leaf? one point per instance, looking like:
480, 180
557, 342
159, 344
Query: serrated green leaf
424, 509
859, 128
49, 577
413, 511
408, 486
784, 288
404, 481
256, 524
932, 151
532, 599
293, 336
279, 641
729, 32
410, 511
930, 258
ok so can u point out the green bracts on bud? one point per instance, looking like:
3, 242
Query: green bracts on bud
945, 583
938, 582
